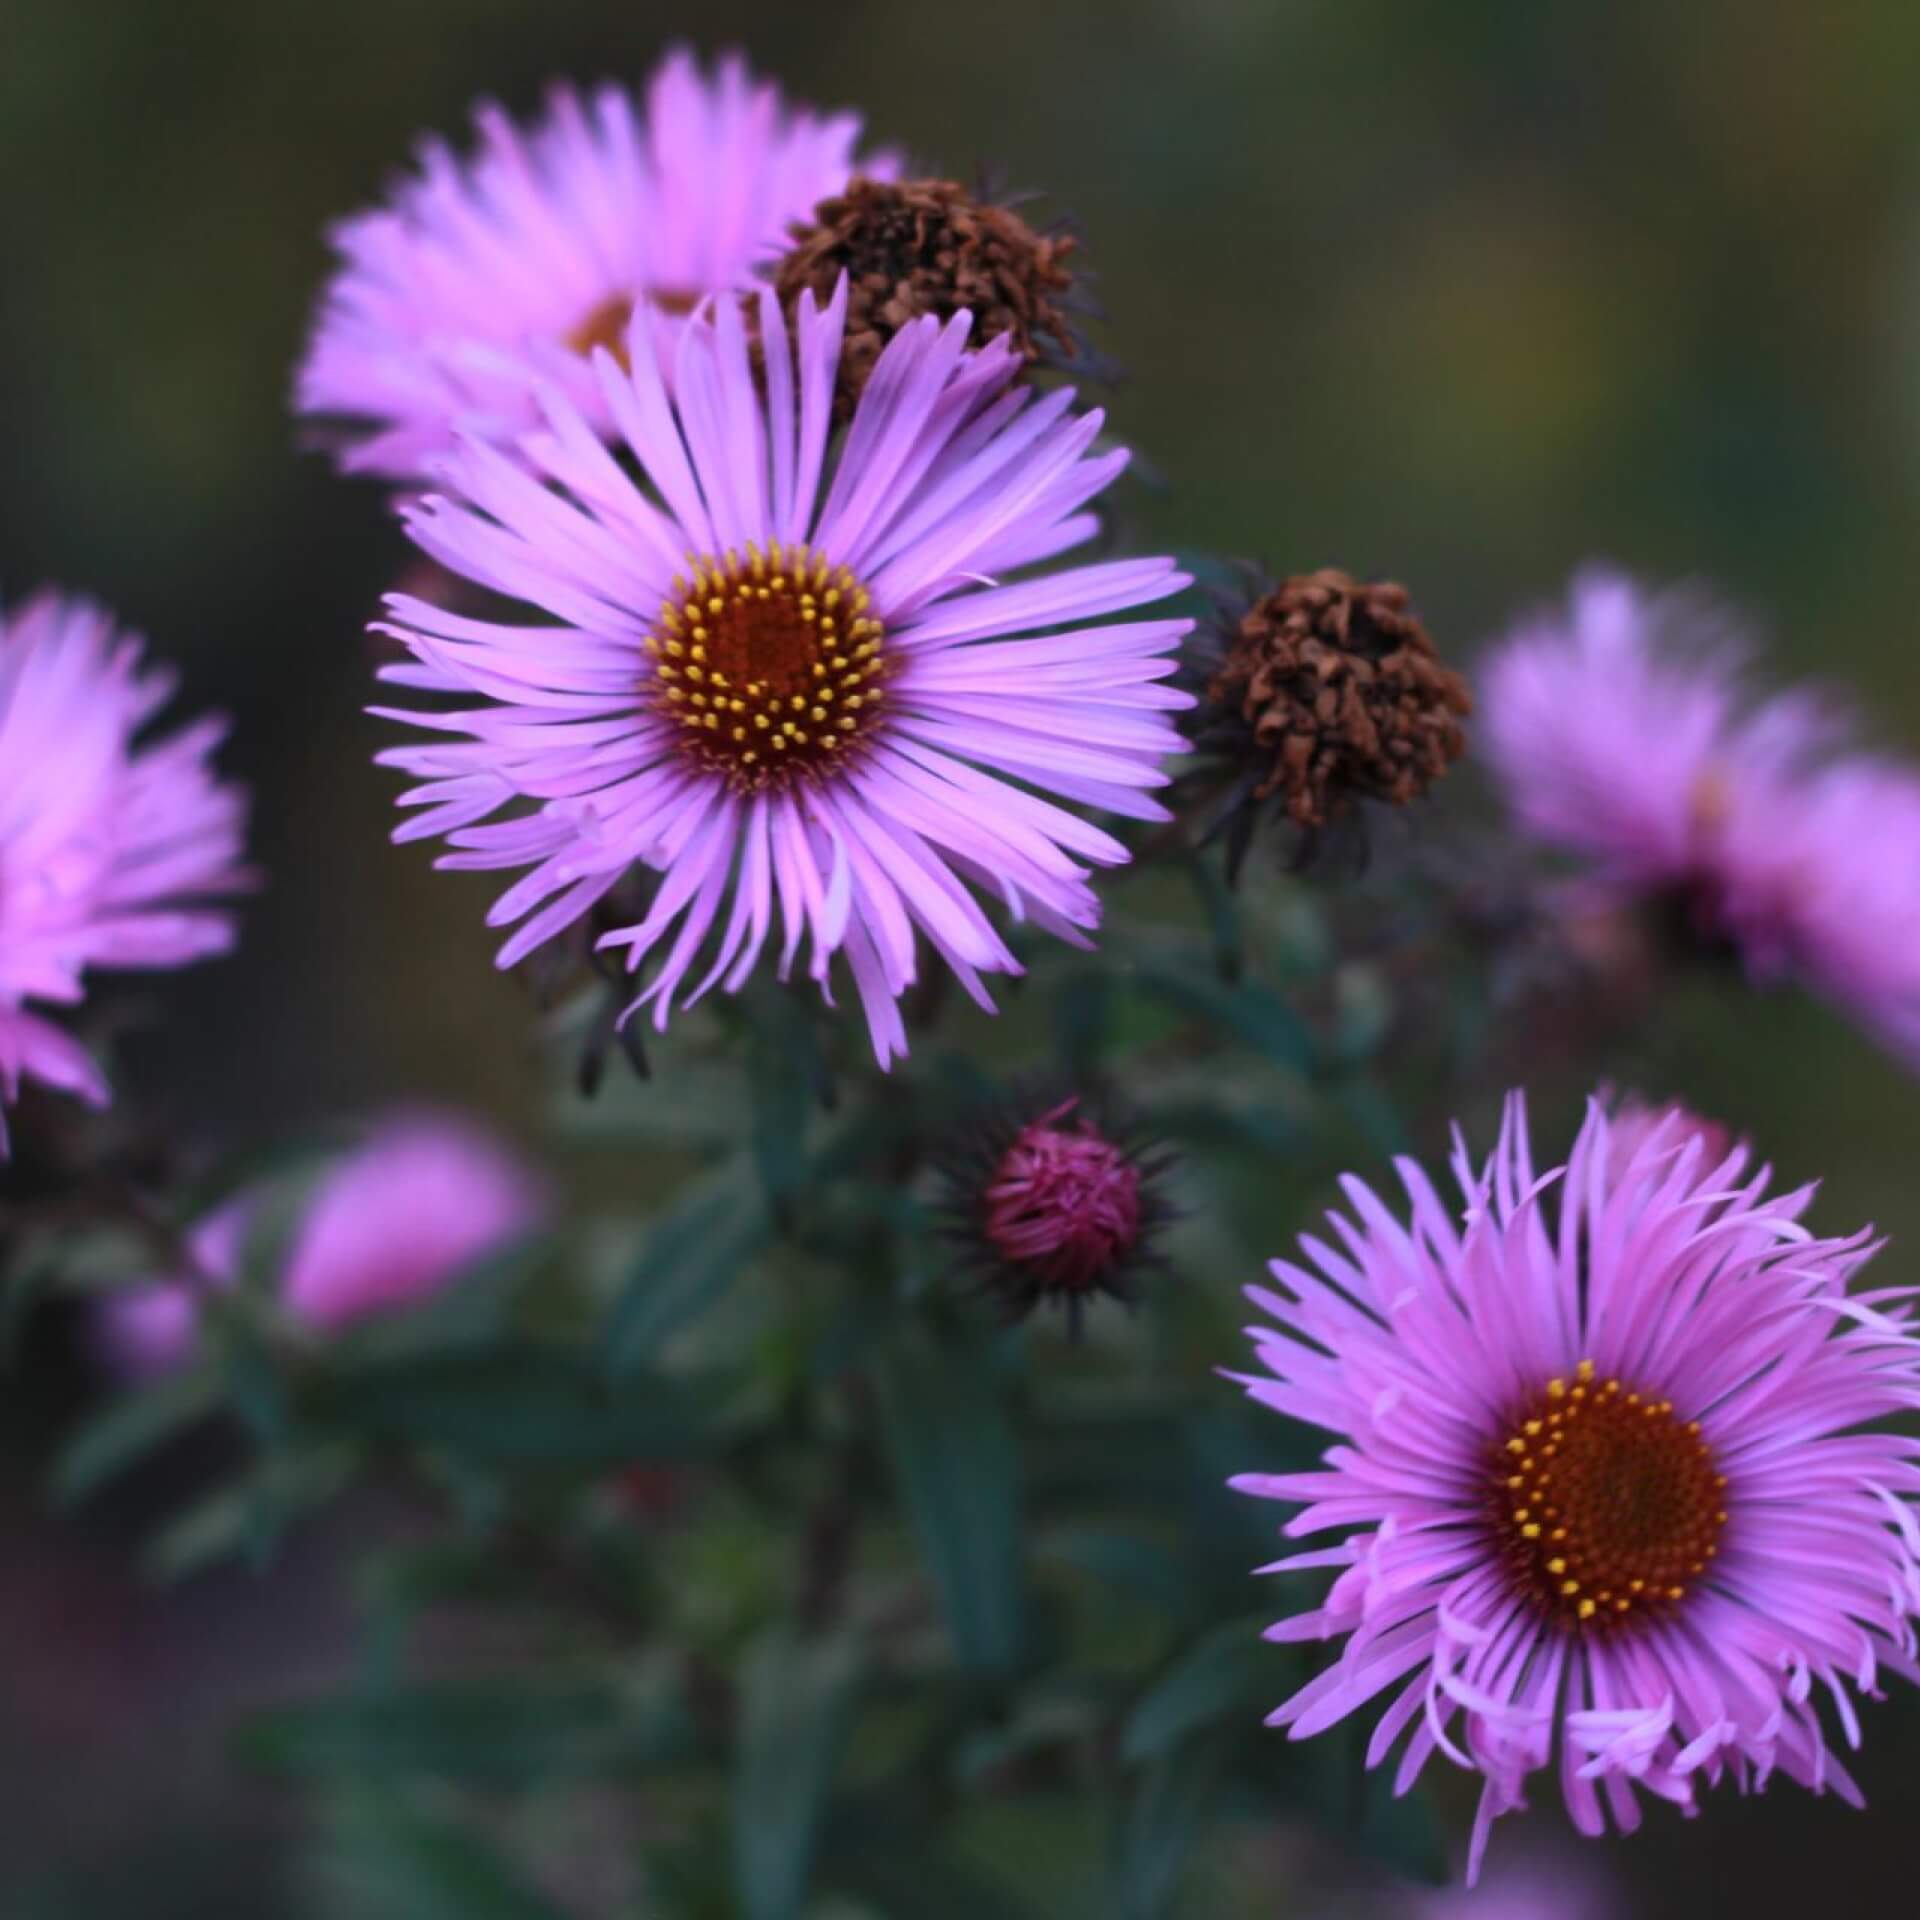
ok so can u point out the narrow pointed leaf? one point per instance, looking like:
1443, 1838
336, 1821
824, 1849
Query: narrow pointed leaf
954, 1454
795, 1697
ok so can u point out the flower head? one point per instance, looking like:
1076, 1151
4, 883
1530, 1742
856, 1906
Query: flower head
915, 247
1624, 732
1612, 1469
1324, 691
152, 1327
422, 1199
111, 844
804, 694
481, 274
1054, 1203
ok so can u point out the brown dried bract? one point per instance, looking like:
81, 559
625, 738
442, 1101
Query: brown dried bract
1340, 685
914, 247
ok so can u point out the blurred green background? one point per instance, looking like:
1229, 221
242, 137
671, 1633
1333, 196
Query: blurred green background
1464, 294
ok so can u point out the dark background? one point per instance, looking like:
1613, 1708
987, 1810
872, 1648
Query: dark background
1465, 294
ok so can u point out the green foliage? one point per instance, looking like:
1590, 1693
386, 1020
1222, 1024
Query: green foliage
796, 1694
955, 1454
829, 1585
530, 1406
510, 1735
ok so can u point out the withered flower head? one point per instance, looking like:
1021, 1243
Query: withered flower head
1054, 1202
1326, 690
914, 247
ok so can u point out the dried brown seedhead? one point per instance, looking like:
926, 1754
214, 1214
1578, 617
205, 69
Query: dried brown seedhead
915, 247
1342, 694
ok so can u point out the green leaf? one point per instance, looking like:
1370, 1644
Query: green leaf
1222, 909
248, 1516
789, 1077
396, 1861
131, 1428
528, 1406
1221, 1674
472, 1310
1403, 1834
882, 1851
1143, 1571
1176, 1800
488, 1733
691, 1257
953, 1451
1245, 1011
795, 1698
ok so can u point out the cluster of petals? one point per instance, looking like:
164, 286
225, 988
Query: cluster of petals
113, 846
1414, 1340
421, 1200
481, 274
1625, 732
566, 760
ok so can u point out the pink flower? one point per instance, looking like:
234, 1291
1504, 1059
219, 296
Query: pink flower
1065, 1201
820, 699
152, 1327
1613, 1473
1051, 1202
1536, 1891
1636, 1121
110, 846
424, 1198
479, 275
1624, 733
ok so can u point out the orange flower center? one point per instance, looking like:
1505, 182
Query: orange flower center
1606, 1506
606, 325
770, 667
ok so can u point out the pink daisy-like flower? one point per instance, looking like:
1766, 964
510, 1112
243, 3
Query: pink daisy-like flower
424, 1198
1623, 732
1607, 1467
479, 274
110, 845
803, 691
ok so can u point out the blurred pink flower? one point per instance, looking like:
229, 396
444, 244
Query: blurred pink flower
152, 1328
425, 1197
1615, 1471
1624, 732
110, 847
480, 275
1535, 1890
